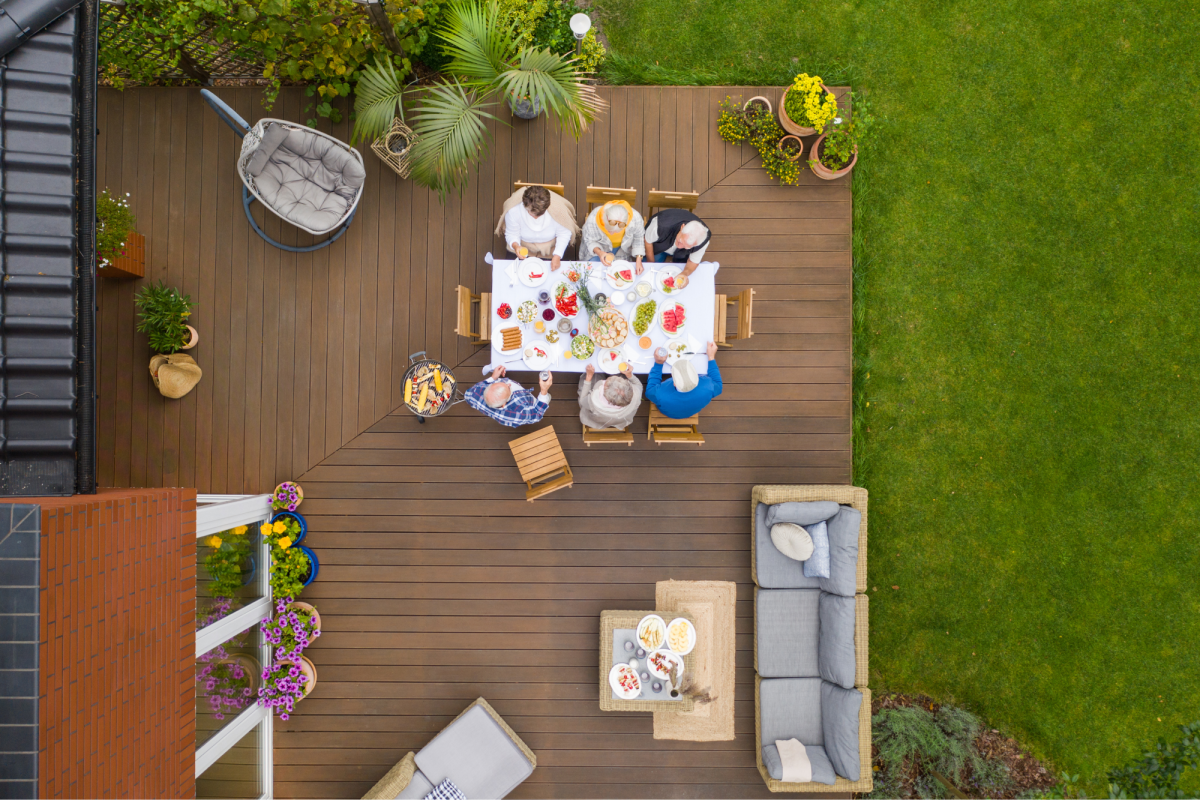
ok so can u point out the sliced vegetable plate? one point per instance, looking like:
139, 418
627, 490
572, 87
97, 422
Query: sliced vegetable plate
566, 300
533, 271
672, 318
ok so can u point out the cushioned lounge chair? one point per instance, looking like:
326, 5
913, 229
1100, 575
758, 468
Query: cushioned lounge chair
303, 176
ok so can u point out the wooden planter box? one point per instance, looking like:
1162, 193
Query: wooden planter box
130, 266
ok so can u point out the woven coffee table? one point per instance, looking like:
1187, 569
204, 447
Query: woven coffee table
616, 620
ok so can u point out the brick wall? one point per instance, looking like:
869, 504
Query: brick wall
117, 653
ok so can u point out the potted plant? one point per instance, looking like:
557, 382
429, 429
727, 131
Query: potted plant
228, 682
760, 103
790, 147
524, 106
807, 106
230, 562
164, 313
293, 628
286, 683
733, 121
120, 250
765, 137
835, 152
287, 497
293, 566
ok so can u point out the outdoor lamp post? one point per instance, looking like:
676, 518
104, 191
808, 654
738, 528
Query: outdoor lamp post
580, 25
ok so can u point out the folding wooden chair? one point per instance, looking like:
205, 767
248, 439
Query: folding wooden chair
593, 436
542, 464
745, 314
674, 431
463, 327
598, 195
660, 200
558, 188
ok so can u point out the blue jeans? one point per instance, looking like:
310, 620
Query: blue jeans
597, 258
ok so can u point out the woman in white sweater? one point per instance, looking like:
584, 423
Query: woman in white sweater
528, 228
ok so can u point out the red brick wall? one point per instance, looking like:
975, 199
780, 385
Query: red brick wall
117, 709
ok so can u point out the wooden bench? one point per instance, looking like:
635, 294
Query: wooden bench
657, 201
593, 436
542, 463
599, 195
463, 326
674, 431
745, 317
557, 188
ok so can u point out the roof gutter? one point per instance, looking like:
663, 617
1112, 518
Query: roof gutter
86, 132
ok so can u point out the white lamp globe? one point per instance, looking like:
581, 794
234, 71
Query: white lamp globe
580, 25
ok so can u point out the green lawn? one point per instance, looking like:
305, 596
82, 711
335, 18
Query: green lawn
1027, 230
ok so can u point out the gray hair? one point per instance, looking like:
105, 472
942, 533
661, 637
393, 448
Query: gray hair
694, 232
618, 391
494, 397
615, 213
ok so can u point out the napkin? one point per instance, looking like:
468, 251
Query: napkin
511, 272
694, 346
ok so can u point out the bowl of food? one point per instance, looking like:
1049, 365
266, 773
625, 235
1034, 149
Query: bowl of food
651, 632
681, 636
526, 311
624, 681
660, 662
582, 346
643, 315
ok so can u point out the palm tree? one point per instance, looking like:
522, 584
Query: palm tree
449, 120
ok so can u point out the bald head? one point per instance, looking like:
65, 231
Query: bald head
497, 394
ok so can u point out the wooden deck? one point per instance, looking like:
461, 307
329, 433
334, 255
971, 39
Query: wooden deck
439, 582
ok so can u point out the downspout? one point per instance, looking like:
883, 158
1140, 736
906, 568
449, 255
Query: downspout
85, 469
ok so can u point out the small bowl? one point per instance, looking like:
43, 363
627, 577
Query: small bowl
691, 637
667, 654
616, 687
641, 627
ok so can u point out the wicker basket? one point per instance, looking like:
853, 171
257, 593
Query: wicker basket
382, 147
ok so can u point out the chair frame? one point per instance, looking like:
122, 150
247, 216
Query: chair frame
242, 129
673, 431
657, 201
557, 188
464, 300
593, 436
745, 306
598, 195
548, 471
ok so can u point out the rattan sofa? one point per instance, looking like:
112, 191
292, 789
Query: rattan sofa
493, 749
781, 586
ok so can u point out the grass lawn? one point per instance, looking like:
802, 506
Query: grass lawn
1027, 228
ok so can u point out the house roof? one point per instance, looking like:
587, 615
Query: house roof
47, 225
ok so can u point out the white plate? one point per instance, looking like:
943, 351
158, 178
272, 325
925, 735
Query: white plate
646, 621
554, 298
617, 688
663, 274
669, 656
607, 363
531, 266
615, 280
537, 363
670, 304
691, 636
675, 350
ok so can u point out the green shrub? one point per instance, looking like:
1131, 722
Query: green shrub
114, 221
164, 313
1158, 772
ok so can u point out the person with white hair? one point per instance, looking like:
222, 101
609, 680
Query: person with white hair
507, 402
610, 403
614, 231
686, 392
677, 235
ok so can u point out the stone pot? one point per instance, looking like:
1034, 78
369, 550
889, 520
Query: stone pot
192, 342
823, 172
525, 108
793, 155
786, 122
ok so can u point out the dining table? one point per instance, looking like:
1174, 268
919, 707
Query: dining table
520, 281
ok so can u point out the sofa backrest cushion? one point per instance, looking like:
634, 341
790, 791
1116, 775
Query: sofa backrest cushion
835, 650
842, 529
801, 513
273, 136
839, 728
475, 753
790, 708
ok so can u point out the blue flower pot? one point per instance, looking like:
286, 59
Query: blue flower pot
249, 569
296, 516
316, 565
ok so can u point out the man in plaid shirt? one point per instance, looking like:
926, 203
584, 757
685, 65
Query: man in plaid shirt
506, 402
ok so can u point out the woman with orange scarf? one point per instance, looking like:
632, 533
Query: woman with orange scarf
614, 231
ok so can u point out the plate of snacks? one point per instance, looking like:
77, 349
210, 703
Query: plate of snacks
660, 662
681, 636
582, 346
624, 681
504, 311
526, 311
643, 315
671, 318
669, 280
611, 329
610, 360
675, 350
510, 339
619, 274
533, 272
566, 300
651, 632
537, 356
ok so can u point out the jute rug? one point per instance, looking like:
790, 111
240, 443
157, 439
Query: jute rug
713, 607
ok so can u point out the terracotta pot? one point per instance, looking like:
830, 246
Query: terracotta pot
306, 607
299, 493
786, 122
763, 101
248, 663
823, 172
791, 155
310, 672
195, 340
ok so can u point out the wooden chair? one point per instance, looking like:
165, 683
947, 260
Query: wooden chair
745, 314
542, 464
598, 195
593, 436
557, 188
660, 200
463, 327
675, 431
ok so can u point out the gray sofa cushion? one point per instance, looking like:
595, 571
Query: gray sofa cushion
475, 753
772, 568
822, 770
787, 625
817, 565
839, 728
273, 136
417, 788
843, 552
790, 708
308, 179
801, 513
835, 652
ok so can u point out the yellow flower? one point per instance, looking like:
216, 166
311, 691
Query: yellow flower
265, 530
214, 542
280, 527
240, 529
285, 543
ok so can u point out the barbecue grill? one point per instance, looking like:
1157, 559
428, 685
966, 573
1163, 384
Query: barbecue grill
421, 366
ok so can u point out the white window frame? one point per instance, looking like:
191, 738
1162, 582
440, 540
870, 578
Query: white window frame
216, 513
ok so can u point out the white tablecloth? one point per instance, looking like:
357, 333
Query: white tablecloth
699, 297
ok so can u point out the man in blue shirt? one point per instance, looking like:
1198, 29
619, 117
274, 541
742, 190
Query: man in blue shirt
684, 393
507, 402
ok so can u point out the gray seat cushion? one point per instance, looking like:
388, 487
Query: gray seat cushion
307, 179
417, 788
773, 569
790, 708
801, 513
839, 728
475, 753
835, 652
787, 624
843, 552
822, 769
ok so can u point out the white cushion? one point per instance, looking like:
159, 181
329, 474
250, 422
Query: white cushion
792, 540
